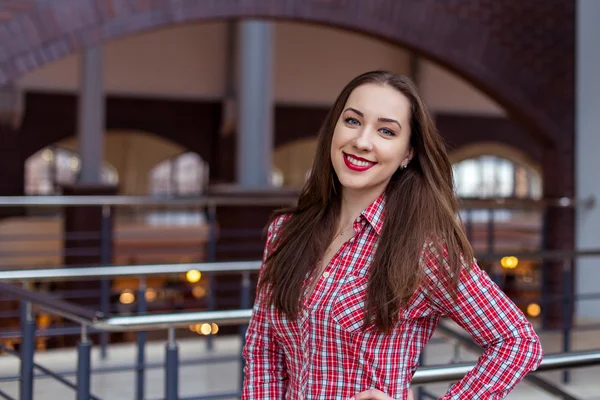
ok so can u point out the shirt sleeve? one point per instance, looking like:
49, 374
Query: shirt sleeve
265, 374
511, 346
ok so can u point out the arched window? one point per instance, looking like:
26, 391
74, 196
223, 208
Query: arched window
490, 176
50, 168
183, 175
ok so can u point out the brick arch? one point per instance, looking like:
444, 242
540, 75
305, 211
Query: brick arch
524, 63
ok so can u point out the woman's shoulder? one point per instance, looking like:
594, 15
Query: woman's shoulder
277, 222
273, 230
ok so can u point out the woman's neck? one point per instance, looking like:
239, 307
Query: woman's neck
353, 203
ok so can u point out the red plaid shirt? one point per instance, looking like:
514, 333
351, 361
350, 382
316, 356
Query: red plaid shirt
324, 354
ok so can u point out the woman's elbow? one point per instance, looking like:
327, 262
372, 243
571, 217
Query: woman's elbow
532, 351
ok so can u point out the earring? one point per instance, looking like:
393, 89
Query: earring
404, 166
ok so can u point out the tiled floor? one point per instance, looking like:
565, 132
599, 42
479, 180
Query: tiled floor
220, 377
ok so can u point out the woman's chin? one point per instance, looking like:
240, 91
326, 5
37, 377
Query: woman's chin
355, 185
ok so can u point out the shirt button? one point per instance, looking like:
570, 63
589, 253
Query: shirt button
358, 219
325, 274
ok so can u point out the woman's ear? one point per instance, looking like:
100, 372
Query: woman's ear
409, 156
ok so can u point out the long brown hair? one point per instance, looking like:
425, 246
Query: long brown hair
420, 206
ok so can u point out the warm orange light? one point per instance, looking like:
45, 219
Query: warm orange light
44, 321
151, 294
127, 297
534, 310
206, 329
509, 262
193, 276
198, 292
215, 328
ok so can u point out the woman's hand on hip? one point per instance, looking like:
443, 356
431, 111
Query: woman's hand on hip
374, 394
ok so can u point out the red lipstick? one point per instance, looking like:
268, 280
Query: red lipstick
357, 168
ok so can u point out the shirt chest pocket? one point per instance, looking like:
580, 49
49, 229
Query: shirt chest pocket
348, 309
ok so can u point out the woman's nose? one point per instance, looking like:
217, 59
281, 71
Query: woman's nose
363, 140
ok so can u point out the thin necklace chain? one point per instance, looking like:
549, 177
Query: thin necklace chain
336, 236
345, 230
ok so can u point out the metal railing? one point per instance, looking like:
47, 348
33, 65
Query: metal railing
214, 242
276, 197
128, 270
209, 204
89, 319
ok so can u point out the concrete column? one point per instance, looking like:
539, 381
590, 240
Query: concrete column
255, 104
587, 144
91, 117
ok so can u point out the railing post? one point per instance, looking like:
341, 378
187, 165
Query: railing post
566, 314
84, 350
27, 351
141, 343
172, 368
456, 359
106, 258
212, 257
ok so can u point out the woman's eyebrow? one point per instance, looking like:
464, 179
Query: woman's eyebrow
354, 110
390, 120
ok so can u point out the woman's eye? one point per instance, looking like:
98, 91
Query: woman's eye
352, 121
387, 132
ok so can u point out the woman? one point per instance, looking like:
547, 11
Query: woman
356, 277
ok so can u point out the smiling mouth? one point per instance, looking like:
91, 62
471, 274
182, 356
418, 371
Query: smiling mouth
357, 164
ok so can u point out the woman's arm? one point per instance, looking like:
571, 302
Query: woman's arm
511, 347
265, 375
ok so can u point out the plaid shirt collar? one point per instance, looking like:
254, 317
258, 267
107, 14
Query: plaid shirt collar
375, 213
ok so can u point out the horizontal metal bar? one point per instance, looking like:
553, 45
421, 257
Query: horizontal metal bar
244, 197
277, 197
225, 267
129, 270
163, 321
56, 306
551, 362
49, 332
74, 236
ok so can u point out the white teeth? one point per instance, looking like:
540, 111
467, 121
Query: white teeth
358, 163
